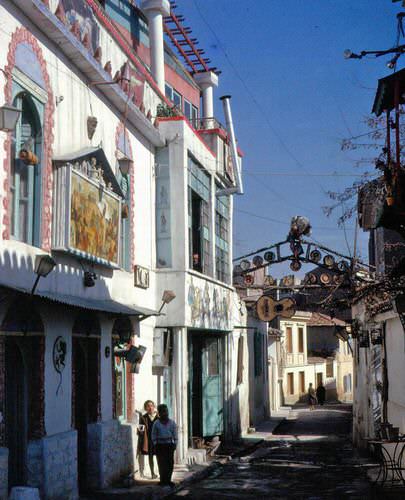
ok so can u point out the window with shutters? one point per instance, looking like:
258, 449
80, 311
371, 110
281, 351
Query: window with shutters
290, 381
222, 216
289, 340
300, 339
199, 219
25, 178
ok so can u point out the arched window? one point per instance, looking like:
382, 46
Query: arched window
25, 183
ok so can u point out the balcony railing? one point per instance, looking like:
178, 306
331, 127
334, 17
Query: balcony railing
207, 124
293, 359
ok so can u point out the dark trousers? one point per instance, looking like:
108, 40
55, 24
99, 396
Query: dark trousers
165, 460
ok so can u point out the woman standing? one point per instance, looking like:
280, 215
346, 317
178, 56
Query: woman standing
311, 397
145, 445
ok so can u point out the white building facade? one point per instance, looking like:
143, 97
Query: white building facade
91, 177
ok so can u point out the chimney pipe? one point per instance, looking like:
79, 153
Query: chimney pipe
234, 149
155, 10
207, 80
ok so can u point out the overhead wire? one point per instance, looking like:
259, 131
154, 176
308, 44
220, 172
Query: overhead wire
252, 96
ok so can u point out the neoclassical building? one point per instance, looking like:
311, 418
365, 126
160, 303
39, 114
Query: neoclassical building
110, 196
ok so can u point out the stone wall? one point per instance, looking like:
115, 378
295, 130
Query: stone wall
110, 453
3, 473
52, 466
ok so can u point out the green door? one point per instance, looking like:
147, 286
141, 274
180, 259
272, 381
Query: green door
212, 399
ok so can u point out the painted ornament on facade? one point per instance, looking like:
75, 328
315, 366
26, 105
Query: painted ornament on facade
80, 15
94, 220
209, 306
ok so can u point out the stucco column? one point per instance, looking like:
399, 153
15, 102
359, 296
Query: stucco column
154, 11
180, 391
207, 81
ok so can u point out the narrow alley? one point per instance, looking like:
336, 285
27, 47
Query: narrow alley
309, 456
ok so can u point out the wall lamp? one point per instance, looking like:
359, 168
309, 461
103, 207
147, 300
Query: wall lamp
8, 114
8, 117
124, 165
168, 296
44, 264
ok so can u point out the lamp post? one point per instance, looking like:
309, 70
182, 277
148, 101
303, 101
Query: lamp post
44, 264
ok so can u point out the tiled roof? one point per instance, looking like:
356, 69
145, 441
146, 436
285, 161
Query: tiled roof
319, 319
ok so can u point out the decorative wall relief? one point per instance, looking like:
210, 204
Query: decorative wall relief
163, 216
80, 16
58, 358
209, 306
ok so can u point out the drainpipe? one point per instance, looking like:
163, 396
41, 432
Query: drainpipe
155, 10
207, 80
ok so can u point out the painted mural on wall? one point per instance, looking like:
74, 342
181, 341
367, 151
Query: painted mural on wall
94, 219
80, 12
209, 306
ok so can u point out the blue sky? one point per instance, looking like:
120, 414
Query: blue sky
289, 53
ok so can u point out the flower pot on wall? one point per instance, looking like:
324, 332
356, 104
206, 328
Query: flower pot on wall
28, 157
125, 211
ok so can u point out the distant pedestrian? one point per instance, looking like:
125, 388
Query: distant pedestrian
145, 445
164, 438
311, 397
320, 393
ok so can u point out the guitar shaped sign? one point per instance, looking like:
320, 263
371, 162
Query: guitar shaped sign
267, 308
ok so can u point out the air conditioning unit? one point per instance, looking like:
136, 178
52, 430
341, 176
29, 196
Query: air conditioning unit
162, 347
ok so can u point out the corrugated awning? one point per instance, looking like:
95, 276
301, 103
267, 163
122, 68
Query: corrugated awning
108, 306
98, 153
385, 95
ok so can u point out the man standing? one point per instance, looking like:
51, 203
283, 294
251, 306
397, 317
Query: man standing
164, 438
320, 393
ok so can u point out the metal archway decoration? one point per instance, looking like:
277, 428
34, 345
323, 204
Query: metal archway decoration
334, 273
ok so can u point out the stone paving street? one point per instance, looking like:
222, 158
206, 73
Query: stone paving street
309, 457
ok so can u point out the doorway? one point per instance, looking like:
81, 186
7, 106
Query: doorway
206, 384
85, 397
16, 410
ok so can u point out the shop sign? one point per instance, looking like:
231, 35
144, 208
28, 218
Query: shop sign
141, 277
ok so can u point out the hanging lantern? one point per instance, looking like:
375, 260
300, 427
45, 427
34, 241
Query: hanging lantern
257, 260
325, 279
315, 256
245, 265
329, 260
269, 256
249, 279
338, 279
295, 265
311, 278
343, 266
